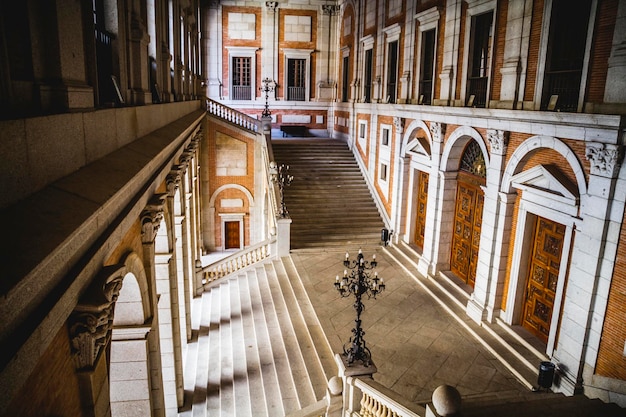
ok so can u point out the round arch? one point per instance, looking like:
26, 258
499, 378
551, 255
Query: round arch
229, 186
410, 131
454, 146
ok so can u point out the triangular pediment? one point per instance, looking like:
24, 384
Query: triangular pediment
546, 180
418, 146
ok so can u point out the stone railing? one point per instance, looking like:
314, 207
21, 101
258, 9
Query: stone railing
377, 400
235, 262
231, 115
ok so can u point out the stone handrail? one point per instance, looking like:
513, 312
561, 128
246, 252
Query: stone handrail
233, 116
377, 400
235, 262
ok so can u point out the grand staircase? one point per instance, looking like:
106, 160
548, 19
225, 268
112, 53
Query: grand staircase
329, 202
260, 350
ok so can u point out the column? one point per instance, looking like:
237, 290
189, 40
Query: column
164, 56
591, 268
401, 183
449, 66
429, 257
490, 238
515, 53
59, 56
151, 218
138, 67
615, 90
212, 52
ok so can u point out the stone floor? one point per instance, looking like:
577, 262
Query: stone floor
416, 345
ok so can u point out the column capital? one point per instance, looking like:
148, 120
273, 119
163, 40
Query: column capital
151, 218
605, 159
330, 9
498, 140
398, 123
271, 5
437, 131
91, 321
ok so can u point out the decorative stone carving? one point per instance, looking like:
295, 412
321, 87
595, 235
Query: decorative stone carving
271, 5
91, 321
498, 139
151, 218
172, 181
330, 9
398, 123
437, 131
604, 159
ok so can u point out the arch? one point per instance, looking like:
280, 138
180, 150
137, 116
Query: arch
228, 186
453, 149
534, 143
409, 136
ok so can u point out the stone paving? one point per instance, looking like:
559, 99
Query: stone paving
416, 345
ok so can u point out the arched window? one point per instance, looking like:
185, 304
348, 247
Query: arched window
473, 161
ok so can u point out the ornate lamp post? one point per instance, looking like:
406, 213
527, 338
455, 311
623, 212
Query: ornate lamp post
281, 177
268, 87
358, 283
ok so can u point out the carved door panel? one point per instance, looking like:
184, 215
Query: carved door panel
420, 216
543, 273
231, 235
466, 237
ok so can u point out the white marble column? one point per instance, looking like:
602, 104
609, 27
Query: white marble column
212, 52
591, 268
490, 238
400, 184
450, 59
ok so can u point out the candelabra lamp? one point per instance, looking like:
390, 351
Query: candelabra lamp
281, 177
359, 282
268, 87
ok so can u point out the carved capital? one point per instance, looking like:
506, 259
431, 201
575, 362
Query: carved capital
271, 5
604, 158
498, 139
437, 131
172, 181
330, 9
91, 321
151, 218
398, 123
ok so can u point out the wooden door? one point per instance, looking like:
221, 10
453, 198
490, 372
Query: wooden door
467, 225
543, 274
422, 200
231, 235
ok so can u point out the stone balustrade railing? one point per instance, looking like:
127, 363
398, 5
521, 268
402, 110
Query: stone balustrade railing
237, 261
233, 116
377, 400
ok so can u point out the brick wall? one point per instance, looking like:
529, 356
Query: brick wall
498, 53
601, 50
52, 389
533, 50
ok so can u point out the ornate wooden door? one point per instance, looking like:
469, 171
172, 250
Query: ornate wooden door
543, 274
422, 200
231, 235
467, 225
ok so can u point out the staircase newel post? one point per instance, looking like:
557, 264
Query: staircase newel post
283, 236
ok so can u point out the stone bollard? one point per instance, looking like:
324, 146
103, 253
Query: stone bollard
446, 402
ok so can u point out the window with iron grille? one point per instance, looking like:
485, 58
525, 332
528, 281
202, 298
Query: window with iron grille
367, 77
241, 78
479, 59
566, 54
345, 79
392, 72
296, 79
427, 66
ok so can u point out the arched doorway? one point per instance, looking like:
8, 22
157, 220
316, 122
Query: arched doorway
468, 213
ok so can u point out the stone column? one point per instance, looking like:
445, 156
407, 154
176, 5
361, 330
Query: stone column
517, 37
491, 238
429, 257
591, 268
449, 66
150, 221
59, 56
188, 258
185, 59
212, 65
138, 67
401, 184
615, 90
90, 326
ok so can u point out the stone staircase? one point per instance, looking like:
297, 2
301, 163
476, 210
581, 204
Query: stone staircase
328, 201
259, 350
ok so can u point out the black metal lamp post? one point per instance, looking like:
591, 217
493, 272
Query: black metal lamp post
267, 88
358, 283
280, 175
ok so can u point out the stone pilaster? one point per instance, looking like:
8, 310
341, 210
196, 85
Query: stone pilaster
138, 58
450, 59
400, 183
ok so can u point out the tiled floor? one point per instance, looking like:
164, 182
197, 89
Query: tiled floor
415, 344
